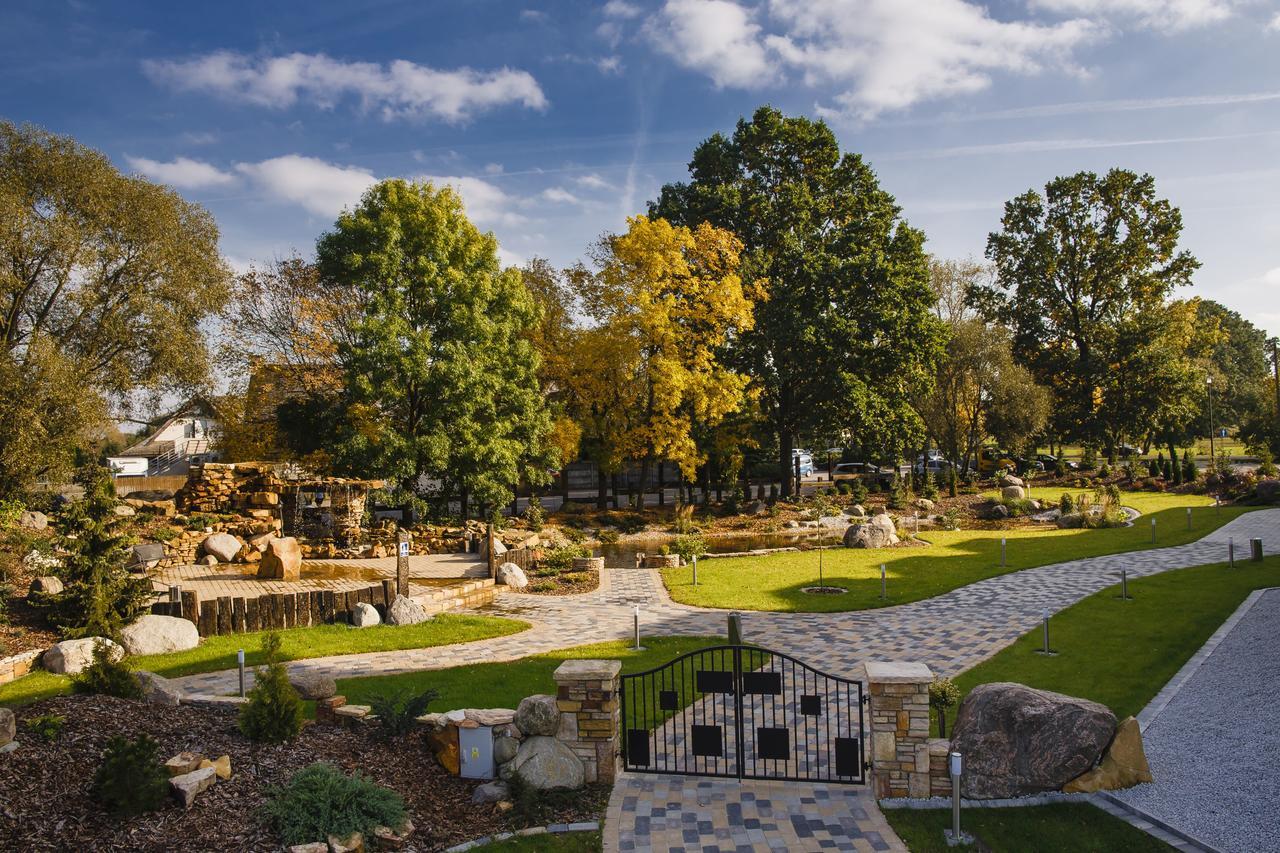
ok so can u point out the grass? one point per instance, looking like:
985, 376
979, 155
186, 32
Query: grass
1121, 653
560, 842
218, 653
1057, 828
503, 685
954, 559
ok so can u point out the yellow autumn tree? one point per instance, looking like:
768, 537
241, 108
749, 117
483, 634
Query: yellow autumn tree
669, 299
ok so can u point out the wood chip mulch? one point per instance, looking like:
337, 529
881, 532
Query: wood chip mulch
565, 583
44, 787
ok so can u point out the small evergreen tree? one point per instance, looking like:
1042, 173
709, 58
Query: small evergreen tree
107, 676
858, 490
273, 713
130, 779
1153, 468
100, 596
1190, 473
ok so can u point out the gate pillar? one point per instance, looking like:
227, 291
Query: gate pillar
587, 696
899, 699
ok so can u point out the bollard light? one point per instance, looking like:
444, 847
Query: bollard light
1231, 552
1046, 651
1153, 531
955, 836
1002, 544
1188, 518
635, 615
695, 569
884, 588
240, 664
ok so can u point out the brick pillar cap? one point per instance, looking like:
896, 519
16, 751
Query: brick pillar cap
897, 672
587, 670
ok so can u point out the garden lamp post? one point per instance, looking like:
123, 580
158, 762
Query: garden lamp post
1212, 429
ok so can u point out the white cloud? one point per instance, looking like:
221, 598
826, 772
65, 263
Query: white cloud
1272, 277
1166, 15
593, 181
401, 89
621, 9
487, 204
320, 187
183, 173
559, 195
610, 65
717, 37
1274, 26
493, 168
536, 16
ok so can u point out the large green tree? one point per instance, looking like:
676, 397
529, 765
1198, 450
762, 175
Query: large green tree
440, 375
105, 279
1083, 274
846, 339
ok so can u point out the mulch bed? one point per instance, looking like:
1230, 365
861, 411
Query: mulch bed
565, 583
44, 787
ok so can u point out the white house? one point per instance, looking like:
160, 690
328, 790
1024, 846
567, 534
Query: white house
182, 439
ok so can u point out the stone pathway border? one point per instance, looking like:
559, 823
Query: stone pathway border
1153, 826
555, 828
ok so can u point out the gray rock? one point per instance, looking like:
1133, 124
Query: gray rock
545, 763
1010, 480
857, 511
155, 635
512, 575
1013, 493
208, 560
9, 747
187, 786
1017, 740
33, 520
833, 522
70, 657
158, 690
879, 532
756, 507
506, 771
314, 685
491, 792
406, 611
504, 749
924, 504
365, 615
8, 726
47, 585
224, 546
995, 512
538, 715
124, 510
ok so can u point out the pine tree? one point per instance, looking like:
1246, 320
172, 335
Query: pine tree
100, 596
274, 711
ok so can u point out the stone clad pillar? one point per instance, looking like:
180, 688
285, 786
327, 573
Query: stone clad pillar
900, 759
590, 715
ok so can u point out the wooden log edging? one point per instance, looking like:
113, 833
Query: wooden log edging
274, 611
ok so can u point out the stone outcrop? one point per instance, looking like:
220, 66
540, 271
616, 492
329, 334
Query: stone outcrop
406, 611
1124, 764
314, 685
512, 575
538, 715
158, 690
70, 657
33, 520
1013, 493
1017, 740
223, 546
155, 635
46, 585
546, 764
878, 532
281, 559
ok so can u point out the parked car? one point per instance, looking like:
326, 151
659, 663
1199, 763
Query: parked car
931, 463
1023, 464
992, 459
1127, 451
864, 471
806, 462
1050, 462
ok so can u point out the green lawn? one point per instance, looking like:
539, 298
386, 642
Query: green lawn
954, 559
560, 842
503, 685
1057, 828
216, 653
1121, 653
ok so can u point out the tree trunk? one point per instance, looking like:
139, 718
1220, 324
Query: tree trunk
706, 482
465, 508
644, 481
602, 489
617, 486
662, 492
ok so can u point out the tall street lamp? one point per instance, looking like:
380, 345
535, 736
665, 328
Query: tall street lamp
1212, 428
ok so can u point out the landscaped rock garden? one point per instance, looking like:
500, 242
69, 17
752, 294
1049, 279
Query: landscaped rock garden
47, 803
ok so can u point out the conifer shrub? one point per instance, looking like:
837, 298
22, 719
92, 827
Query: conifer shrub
1190, 473
130, 780
320, 800
397, 713
107, 676
273, 713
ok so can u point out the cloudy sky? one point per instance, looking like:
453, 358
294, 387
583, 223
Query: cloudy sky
556, 120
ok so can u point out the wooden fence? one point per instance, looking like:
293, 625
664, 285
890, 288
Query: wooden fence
525, 556
126, 485
227, 615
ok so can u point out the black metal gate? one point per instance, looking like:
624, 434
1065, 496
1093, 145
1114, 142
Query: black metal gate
744, 712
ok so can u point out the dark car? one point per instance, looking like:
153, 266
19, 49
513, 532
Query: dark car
1127, 451
864, 471
1050, 462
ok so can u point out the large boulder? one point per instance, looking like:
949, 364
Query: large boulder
33, 520
505, 749
878, 532
158, 690
156, 635
364, 615
1010, 480
546, 764
512, 575
224, 546
1268, 490
46, 585
281, 559
1123, 766
1013, 493
188, 786
406, 611
8, 727
1017, 740
70, 657
314, 685
856, 511
538, 715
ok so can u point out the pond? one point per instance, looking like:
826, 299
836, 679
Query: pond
623, 554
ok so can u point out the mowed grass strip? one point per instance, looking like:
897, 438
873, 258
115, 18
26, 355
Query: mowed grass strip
1056, 828
550, 842
1121, 653
503, 685
218, 653
953, 559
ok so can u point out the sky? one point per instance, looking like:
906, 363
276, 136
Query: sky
557, 120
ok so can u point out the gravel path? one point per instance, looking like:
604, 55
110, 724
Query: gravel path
1215, 748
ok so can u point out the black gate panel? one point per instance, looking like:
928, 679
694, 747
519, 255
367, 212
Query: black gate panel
744, 712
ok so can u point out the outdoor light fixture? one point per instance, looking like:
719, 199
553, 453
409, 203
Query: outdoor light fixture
240, 664
635, 613
955, 836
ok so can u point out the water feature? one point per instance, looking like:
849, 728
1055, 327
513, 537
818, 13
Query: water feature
623, 554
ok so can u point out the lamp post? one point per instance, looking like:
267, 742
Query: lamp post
1212, 459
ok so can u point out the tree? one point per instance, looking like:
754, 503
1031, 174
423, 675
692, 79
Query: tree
274, 712
1083, 272
99, 596
440, 378
674, 295
105, 280
846, 340
1237, 360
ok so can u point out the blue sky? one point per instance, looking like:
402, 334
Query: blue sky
556, 120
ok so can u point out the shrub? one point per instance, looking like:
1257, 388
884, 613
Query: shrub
533, 806
557, 560
1153, 467
534, 514
682, 522
130, 780
107, 676
858, 490
273, 713
900, 496
542, 586
1065, 504
1089, 459
929, 489
397, 713
1018, 507
689, 547
573, 534
631, 522
1266, 465
47, 727
608, 535
1104, 470
10, 511
320, 800
1060, 468
943, 694
950, 520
